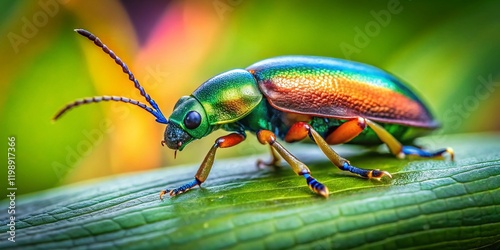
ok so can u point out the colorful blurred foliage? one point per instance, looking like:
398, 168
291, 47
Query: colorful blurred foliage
449, 52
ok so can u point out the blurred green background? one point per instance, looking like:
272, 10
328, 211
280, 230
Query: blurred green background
449, 52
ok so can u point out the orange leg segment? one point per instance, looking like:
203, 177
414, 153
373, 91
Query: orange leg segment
297, 132
347, 131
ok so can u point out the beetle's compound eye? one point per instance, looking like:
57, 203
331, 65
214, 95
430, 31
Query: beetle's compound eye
192, 120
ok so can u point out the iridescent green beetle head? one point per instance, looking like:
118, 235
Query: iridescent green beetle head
187, 123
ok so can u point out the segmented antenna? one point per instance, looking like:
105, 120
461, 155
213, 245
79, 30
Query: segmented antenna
154, 111
95, 99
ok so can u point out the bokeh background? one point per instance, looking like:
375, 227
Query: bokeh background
449, 52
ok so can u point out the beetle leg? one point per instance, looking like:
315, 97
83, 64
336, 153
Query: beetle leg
300, 130
268, 137
205, 167
347, 131
401, 151
275, 160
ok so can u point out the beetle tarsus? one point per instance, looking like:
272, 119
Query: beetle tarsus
182, 189
316, 186
410, 150
366, 173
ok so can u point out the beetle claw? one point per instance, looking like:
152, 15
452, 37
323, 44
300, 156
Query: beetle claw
451, 153
171, 192
162, 193
377, 174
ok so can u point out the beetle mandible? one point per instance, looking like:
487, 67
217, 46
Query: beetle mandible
331, 101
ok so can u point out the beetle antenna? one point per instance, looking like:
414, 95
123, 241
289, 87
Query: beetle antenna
96, 99
154, 111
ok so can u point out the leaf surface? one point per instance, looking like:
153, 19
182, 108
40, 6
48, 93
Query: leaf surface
428, 204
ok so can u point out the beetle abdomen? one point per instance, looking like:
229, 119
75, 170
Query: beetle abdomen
340, 89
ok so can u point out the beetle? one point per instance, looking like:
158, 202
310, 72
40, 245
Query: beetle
331, 101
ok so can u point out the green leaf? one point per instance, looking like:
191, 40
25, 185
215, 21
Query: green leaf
427, 204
